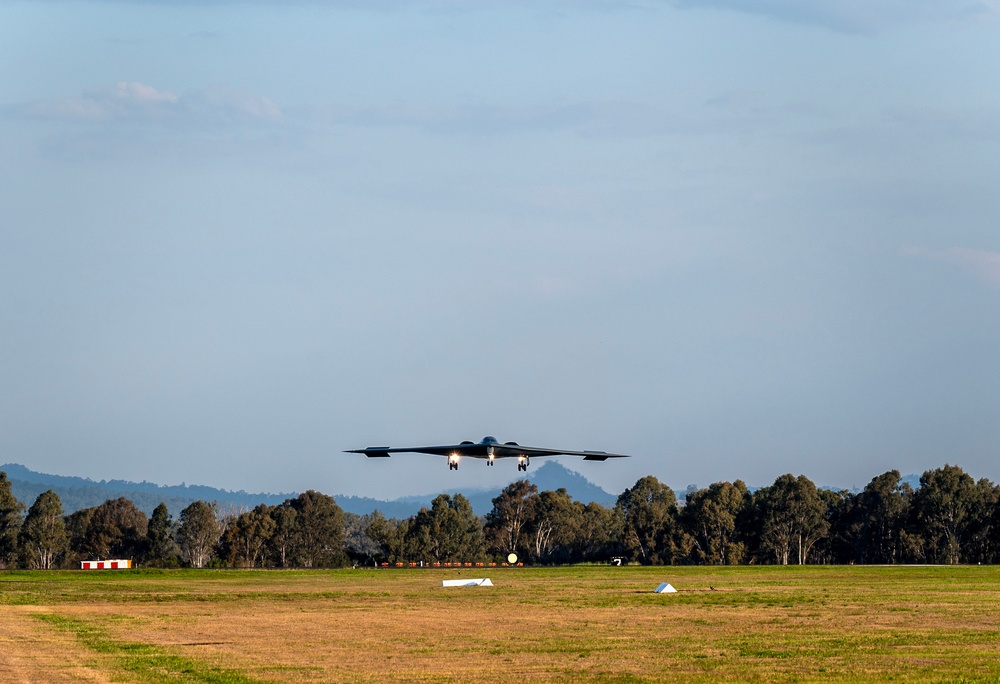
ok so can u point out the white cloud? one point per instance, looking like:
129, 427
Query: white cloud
983, 264
138, 93
228, 104
138, 103
133, 120
124, 100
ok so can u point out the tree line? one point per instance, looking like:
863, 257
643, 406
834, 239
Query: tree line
950, 518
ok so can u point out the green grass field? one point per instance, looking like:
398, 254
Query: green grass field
597, 624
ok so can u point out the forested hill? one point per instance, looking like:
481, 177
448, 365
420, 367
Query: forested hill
78, 492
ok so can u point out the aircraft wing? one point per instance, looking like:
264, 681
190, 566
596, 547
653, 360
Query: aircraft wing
469, 449
587, 455
482, 450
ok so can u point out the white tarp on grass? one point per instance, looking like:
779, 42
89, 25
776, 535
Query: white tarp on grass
481, 582
665, 589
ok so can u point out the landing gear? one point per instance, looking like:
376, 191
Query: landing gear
489, 461
453, 462
522, 463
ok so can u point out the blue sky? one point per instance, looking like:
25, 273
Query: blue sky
735, 239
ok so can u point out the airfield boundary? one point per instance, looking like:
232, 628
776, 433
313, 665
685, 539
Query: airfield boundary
590, 624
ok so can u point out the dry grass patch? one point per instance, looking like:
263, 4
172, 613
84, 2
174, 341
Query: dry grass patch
571, 624
30, 654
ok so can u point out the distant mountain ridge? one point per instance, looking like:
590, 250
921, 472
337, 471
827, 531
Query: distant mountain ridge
79, 492
550, 476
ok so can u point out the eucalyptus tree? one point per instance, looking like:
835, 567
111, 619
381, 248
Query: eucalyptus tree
246, 536
318, 539
710, 516
993, 532
554, 526
510, 516
116, 529
943, 508
10, 522
42, 538
648, 512
598, 534
161, 544
980, 535
283, 539
77, 525
883, 509
447, 531
840, 542
389, 535
793, 518
360, 546
198, 533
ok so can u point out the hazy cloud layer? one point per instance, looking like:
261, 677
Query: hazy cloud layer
854, 15
838, 15
134, 120
132, 102
628, 119
138, 104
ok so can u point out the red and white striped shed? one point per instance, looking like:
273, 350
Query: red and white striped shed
106, 565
